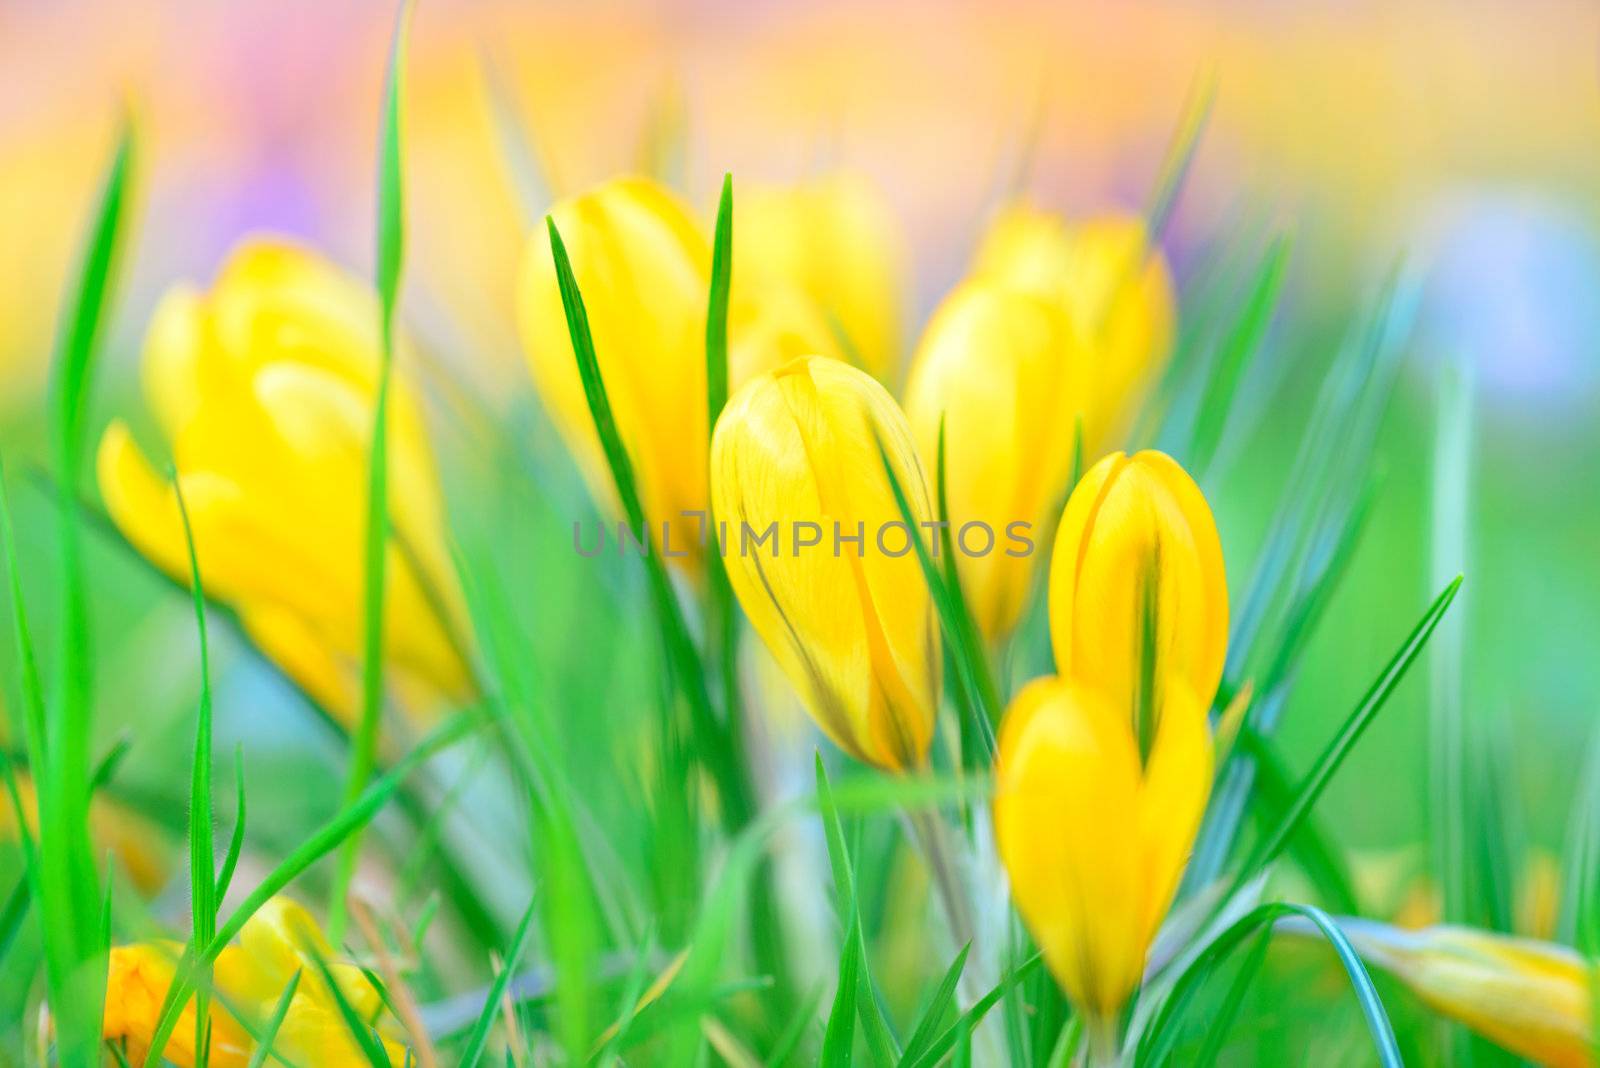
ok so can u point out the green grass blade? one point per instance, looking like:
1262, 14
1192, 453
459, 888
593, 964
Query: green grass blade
72, 902
269, 1033
939, 1006
1371, 704
479, 1039
971, 663
390, 258
688, 672
1220, 1022
13, 913
1311, 847
202, 845
1233, 359
1449, 777
794, 1032
971, 644
366, 1040
968, 1021
1180, 155
717, 309
323, 841
875, 1027
838, 1042
230, 860
1156, 1044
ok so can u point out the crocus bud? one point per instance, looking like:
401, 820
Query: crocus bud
264, 388
834, 238
820, 559
278, 942
1093, 836
1138, 598
642, 265
1111, 283
1534, 998
1004, 370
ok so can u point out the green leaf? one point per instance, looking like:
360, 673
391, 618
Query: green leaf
688, 672
269, 1033
12, 915
1220, 1022
366, 1039
1180, 154
971, 662
838, 1042
1235, 354
794, 1031
875, 1027
391, 240
202, 845
230, 860
71, 907
1339, 747
1155, 1045
479, 1039
717, 306
969, 1020
939, 1006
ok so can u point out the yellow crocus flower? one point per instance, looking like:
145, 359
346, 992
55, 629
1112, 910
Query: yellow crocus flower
1104, 771
835, 238
836, 592
1092, 271
1005, 371
264, 389
279, 941
1095, 838
643, 267
1534, 998
1138, 596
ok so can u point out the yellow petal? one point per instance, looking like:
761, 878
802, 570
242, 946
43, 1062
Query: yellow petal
1137, 535
850, 622
1068, 828
836, 238
643, 268
1006, 373
266, 385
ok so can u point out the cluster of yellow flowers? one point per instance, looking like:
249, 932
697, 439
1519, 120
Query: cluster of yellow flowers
1035, 362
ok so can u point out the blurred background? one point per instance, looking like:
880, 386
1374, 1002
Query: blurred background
1461, 138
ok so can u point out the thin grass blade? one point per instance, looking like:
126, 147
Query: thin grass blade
478, 1040
269, 1033
391, 240
1371, 704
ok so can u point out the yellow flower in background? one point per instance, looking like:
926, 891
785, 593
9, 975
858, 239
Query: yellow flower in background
850, 621
643, 266
1534, 998
1093, 837
1092, 270
137, 844
768, 329
834, 238
264, 388
279, 941
1138, 595
1005, 370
